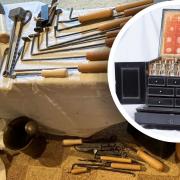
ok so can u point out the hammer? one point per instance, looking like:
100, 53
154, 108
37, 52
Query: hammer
4, 35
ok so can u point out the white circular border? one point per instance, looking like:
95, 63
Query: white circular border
111, 73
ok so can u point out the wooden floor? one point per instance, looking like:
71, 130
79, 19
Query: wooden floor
56, 161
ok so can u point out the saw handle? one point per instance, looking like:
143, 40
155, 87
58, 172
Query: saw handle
100, 54
72, 142
156, 164
113, 24
115, 159
125, 6
56, 73
133, 11
126, 166
107, 13
93, 67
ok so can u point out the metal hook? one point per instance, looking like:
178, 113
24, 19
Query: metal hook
27, 18
71, 19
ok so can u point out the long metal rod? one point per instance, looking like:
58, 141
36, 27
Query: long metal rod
102, 166
76, 40
59, 58
85, 24
92, 39
34, 72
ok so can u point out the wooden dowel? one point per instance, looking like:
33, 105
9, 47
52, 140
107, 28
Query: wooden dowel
126, 166
113, 24
93, 67
79, 170
96, 15
112, 34
71, 142
116, 159
156, 164
56, 73
109, 42
100, 54
133, 11
125, 6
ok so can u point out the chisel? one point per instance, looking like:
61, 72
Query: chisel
103, 14
116, 159
153, 162
99, 54
89, 67
73, 46
4, 34
100, 28
73, 142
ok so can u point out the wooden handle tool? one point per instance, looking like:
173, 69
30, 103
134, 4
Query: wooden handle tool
113, 23
125, 6
100, 54
56, 73
112, 34
72, 142
109, 42
93, 67
154, 163
133, 11
116, 159
79, 170
4, 35
107, 13
89, 67
126, 166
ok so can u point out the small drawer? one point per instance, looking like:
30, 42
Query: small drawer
160, 91
173, 82
177, 102
156, 81
177, 92
164, 102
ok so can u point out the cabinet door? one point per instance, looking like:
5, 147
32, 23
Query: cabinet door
130, 82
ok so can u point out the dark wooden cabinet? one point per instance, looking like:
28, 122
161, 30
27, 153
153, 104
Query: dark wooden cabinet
130, 82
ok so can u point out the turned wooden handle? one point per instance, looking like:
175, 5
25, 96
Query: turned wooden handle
156, 164
96, 15
109, 41
112, 34
116, 159
72, 142
93, 67
79, 170
113, 24
126, 166
125, 6
133, 11
56, 73
4, 37
100, 54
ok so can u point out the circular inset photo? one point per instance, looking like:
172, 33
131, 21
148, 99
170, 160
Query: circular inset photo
144, 71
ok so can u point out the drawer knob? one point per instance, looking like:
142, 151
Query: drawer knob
160, 91
159, 102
